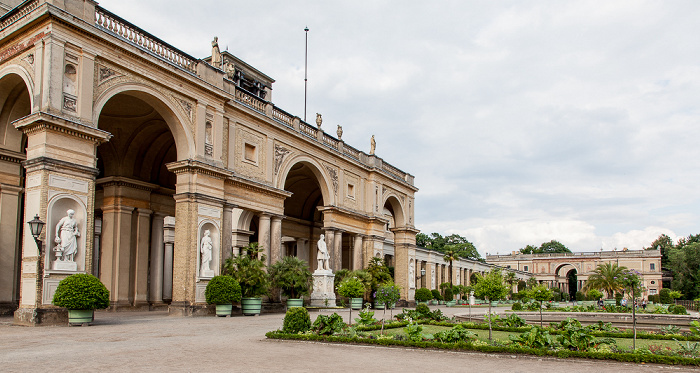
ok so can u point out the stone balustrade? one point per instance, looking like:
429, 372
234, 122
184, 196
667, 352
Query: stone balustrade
134, 35
17, 13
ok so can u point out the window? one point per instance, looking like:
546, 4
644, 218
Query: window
652, 291
351, 191
652, 267
525, 268
250, 153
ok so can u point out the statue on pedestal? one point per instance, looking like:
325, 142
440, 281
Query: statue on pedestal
205, 248
339, 132
319, 120
372, 145
215, 53
323, 257
66, 233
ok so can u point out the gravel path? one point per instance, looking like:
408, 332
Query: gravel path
153, 341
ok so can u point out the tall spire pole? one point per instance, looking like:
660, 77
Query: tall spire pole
306, 48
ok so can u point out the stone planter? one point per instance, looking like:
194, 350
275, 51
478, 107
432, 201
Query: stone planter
83, 317
251, 306
418, 302
356, 303
451, 303
379, 306
224, 310
494, 304
299, 302
441, 302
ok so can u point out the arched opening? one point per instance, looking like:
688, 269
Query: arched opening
15, 103
573, 283
134, 193
303, 222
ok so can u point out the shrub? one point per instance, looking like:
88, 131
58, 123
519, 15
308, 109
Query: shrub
436, 294
81, 292
457, 334
655, 298
594, 294
366, 317
423, 310
580, 296
665, 296
448, 294
296, 320
536, 337
677, 310
517, 306
292, 276
249, 270
328, 325
222, 290
388, 294
423, 295
351, 287
618, 299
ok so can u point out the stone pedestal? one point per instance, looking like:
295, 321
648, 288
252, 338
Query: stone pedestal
206, 273
65, 266
323, 294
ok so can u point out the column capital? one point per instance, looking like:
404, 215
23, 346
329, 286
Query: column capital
141, 211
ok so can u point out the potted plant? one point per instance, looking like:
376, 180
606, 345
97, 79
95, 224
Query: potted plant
249, 270
437, 297
293, 277
449, 298
387, 295
222, 291
81, 294
352, 288
423, 295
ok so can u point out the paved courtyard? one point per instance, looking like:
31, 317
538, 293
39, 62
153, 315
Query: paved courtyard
153, 341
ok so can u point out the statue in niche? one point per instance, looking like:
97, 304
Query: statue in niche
372, 145
66, 233
432, 277
339, 132
206, 248
323, 257
411, 275
319, 120
215, 53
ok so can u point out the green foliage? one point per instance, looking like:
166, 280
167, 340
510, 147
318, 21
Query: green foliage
677, 310
655, 298
663, 243
674, 294
448, 295
531, 282
491, 287
580, 296
606, 277
457, 334
413, 331
536, 337
388, 294
81, 292
577, 338
594, 294
688, 349
351, 287
436, 294
366, 317
513, 321
665, 296
684, 261
424, 310
328, 325
222, 290
552, 246
460, 246
423, 295
296, 320
378, 272
517, 306
671, 329
292, 276
249, 270
695, 328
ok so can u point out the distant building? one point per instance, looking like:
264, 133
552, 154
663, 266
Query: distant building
569, 271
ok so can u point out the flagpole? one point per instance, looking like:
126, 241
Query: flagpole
306, 46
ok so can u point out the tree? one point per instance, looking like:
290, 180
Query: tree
663, 243
379, 273
633, 285
510, 279
684, 261
454, 242
492, 288
530, 249
449, 256
607, 277
550, 247
540, 293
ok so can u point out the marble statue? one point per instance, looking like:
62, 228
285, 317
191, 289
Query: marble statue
206, 248
66, 233
215, 53
411, 275
339, 131
319, 120
372, 145
432, 277
323, 257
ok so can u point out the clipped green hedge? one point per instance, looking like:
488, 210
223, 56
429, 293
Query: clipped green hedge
464, 346
423, 295
296, 320
81, 291
222, 290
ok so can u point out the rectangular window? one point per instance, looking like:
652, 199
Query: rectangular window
525, 268
250, 153
652, 291
652, 266
351, 191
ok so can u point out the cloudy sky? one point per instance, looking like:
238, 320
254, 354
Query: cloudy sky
522, 121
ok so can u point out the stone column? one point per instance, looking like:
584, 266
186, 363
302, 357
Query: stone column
9, 247
275, 239
226, 233
116, 252
169, 242
337, 253
143, 230
97, 252
157, 257
264, 235
303, 251
357, 252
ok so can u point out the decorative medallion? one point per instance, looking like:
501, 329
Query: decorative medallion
280, 153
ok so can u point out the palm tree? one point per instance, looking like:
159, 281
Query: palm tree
450, 255
607, 277
510, 279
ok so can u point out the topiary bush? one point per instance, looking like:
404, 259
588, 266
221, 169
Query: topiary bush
677, 310
655, 298
423, 295
517, 306
448, 295
665, 296
436, 294
222, 290
296, 320
351, 287
580, 296
423, 310
81, 292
